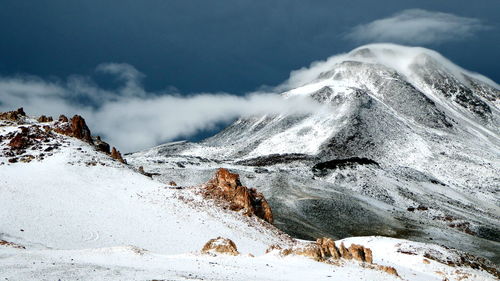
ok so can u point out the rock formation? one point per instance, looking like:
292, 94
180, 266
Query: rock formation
226, 186
45, 119
220, 245
76, 127
325, 250
33, 135
10, 244
15, 115
20, 141
115, 154
101, 145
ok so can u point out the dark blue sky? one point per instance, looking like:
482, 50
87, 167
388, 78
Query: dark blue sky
229, 45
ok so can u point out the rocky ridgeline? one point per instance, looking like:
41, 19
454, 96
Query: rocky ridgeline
226, 188
38, 136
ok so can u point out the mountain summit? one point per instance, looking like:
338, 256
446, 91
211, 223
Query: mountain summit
407, 146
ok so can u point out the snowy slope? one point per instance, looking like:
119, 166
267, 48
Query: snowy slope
76, 214
65, 202
408, 146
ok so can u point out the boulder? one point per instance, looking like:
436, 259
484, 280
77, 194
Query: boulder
19, 141
220, 245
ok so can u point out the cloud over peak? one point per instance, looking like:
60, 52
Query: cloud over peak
417, 26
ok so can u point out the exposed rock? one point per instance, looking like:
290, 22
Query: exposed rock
324, 250
10, 244
227, 186
63, 118
172, 183
220, 245
115, 154
344, 252
102, 145
328, 248
15, 115
388, 269
360, 253
147, 174
309, 250
77, 128
44, 119
19, 141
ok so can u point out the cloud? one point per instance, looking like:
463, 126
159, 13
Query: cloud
398, 57
131, 118
417, 26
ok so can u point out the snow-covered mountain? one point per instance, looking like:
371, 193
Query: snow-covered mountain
408, 150
71, 209
408, 145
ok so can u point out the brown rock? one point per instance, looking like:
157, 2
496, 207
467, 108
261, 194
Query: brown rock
15, 115
220, 245
311, 250
322, 250
80, 129
102, 145
63, 118
388, 269
328, 248
357, 252
368, 255
226, 186
44, 119
273, 247
115, 154
10, 244
344, 252
77, 128
19, 141
172, 183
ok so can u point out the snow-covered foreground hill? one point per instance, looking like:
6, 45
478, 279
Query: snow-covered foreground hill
70, 212
407, 145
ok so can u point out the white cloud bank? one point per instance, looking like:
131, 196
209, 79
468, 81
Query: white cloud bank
417, 26
130, 117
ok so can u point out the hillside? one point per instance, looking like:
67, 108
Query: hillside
72, 209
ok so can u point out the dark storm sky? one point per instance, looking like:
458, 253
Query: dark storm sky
208, 46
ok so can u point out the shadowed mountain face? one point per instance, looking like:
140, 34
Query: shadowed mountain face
408, 146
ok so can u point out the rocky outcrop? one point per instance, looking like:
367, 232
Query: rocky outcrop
115, 154
14, 115
35, 136
20, 140
101, 145
325, 250
226, 187
220, 245
10, 244
45, 119
76, 127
